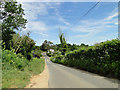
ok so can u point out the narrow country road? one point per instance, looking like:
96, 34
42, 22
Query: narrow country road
61, 76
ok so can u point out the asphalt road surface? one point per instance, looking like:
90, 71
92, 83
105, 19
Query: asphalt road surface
61, 76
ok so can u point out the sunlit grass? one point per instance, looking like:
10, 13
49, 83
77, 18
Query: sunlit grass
14, 78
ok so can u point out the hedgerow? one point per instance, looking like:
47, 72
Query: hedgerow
102, 58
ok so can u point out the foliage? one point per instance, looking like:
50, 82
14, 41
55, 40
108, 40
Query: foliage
17, 49
65, 47
15, 61
46, 45
57, 59
27, 47
36, 66
12, 19
49, 53
17, 70
71, 47
37, 52
63, 42
23, 44
102, 58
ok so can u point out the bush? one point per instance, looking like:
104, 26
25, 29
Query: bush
23, 44
17, 70
37, 53
15, 61
29, 56
102, 58
49, 53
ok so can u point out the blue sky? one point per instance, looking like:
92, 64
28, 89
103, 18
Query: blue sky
44, 19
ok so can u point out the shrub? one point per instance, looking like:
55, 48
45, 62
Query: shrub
15, 61
102, 58
16, 71
49, 53
23, 44
37, 53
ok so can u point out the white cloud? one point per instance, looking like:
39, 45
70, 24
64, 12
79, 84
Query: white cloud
41, 33
112, 16
90, 30
90, 27
34, 10
36, 26
79, 36
83, 29
63, 20
116, 23
60, 18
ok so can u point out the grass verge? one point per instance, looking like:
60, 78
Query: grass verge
15, 78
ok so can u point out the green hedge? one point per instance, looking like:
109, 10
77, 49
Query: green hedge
102, 58
57, 59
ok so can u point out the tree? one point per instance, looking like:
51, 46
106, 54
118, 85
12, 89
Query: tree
37, 52
16, 42
23, 44
83, 45
12, 19
63, 43
27, 46
0, 32
72, 47
46, 45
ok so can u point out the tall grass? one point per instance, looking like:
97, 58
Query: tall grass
17, 70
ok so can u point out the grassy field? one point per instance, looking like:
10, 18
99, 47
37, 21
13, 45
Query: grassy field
14, 78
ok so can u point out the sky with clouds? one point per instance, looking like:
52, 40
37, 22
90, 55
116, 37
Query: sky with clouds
45, 18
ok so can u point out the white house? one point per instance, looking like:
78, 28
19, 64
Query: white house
51, 50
